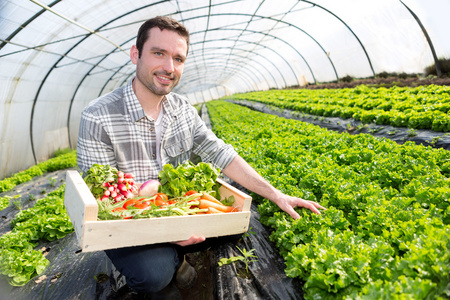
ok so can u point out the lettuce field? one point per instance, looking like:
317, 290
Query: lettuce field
386, 233
423, 107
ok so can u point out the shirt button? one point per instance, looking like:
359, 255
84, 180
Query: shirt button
181, 149
151, 129
153, 155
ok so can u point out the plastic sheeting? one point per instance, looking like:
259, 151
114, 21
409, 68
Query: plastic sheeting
56, 55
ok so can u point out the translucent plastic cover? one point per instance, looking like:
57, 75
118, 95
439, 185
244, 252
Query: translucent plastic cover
56, 56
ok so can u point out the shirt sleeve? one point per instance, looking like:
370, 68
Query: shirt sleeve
94, 145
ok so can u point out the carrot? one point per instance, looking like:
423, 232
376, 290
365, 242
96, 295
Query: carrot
212, 210
208, 197
210, 204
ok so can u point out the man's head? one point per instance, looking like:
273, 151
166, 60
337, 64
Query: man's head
162, 23
159, 55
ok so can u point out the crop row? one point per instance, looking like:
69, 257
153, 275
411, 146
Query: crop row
62, 161
424, 107
47, 220
385, 233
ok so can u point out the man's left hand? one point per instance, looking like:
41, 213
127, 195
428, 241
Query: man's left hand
288, 203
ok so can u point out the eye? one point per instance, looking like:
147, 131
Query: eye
179, 60
158, 53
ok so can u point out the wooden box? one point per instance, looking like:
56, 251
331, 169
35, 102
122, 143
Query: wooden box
94, 235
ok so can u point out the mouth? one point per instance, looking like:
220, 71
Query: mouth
164, 79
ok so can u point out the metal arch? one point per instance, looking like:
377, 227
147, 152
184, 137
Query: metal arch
79, 85
277, 38
195, 75
268, 49
430, 43
68, 51
284, 22
241, 32
348, 27
247, 82
22, 26
194, 72
273, 78
199, 76
114, 74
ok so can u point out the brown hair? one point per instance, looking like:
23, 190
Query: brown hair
162, 23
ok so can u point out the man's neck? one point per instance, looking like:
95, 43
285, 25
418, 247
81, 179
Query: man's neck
151, 103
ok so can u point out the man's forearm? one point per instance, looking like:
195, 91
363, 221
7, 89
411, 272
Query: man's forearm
241, 172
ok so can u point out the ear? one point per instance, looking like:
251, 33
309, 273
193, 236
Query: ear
134, 54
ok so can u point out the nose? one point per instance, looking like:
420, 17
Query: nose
168, 65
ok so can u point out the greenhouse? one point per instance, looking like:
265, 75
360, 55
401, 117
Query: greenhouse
341, 106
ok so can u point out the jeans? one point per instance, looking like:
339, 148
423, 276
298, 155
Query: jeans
150, 268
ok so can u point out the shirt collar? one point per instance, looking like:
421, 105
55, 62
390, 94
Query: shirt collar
134, 106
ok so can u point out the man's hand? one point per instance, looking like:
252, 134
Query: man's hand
241, 172
191, 241
288, 203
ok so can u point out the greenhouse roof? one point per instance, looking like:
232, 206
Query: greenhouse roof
57, 56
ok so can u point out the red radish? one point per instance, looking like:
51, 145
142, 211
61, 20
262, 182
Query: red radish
149, 188
128, 175
127, 194
122, 187
120, 174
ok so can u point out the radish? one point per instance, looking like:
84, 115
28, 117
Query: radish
122, 187
149, 188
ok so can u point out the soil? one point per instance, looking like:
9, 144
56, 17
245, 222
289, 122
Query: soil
203, 288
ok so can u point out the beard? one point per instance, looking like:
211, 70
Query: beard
156, 87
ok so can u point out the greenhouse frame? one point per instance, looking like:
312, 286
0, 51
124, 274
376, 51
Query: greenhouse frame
57, 56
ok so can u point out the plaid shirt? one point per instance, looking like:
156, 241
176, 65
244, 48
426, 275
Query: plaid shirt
115, 131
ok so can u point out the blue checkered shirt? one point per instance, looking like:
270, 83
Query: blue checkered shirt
115, 131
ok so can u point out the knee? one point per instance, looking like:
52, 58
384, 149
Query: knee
152, 275
150, 282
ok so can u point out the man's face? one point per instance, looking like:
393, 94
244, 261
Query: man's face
162, 60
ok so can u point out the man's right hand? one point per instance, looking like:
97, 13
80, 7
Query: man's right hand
191, 241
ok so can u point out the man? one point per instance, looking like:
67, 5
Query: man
142, 126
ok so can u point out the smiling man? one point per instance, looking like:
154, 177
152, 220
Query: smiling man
140, 127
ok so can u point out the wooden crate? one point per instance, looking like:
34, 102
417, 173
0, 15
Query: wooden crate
94, 235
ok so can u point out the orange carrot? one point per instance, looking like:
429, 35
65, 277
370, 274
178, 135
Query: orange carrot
210, 204
212, 210
208, 197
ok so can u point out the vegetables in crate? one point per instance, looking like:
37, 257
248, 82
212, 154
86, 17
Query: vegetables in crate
159, 205
185, 190
149, 188
109, 184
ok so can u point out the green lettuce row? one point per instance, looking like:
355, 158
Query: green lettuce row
424, 107
384, 201
47, 220
62, 161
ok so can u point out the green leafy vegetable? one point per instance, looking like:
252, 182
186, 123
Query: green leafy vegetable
175, 182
